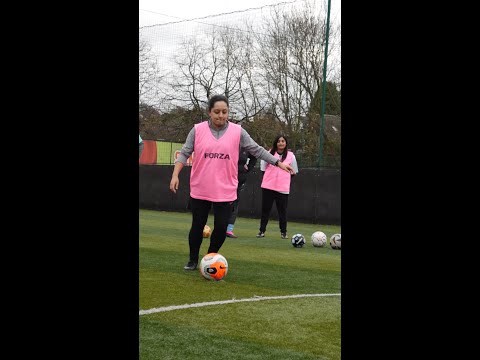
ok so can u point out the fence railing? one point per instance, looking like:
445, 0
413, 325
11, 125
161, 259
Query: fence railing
156, 152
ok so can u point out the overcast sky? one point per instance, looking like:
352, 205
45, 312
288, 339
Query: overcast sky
162, 11
164, 40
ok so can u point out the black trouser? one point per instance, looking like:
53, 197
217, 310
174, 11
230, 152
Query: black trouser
281, 201
200, 210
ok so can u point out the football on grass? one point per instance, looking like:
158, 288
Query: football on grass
298, 240
319, 239
214, 266
207, 231
336, 241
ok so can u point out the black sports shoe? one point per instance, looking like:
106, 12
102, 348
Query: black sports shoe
261, 234
190, 266
284, 235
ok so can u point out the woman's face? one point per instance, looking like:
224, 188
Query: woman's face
281, 144
219, 114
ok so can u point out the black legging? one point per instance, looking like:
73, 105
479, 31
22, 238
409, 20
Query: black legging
281, 201
200, 210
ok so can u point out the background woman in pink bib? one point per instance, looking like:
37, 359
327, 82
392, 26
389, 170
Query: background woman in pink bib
214, 175
276, 186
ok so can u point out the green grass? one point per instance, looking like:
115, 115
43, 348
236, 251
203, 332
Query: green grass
298, 328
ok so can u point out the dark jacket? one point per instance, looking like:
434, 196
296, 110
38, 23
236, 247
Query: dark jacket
242, 160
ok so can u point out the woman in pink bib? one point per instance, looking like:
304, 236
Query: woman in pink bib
214, 175
276, 186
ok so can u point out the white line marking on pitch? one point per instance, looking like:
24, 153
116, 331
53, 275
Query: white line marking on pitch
209, 303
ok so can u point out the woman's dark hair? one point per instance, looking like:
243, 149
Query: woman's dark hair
274, 146
214, 99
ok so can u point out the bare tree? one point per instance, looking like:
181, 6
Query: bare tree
221, 63
149, 75
290, 50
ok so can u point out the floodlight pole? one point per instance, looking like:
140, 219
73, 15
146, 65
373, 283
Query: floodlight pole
324, 88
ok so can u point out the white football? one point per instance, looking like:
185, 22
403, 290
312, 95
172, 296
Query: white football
319, 239
336, 241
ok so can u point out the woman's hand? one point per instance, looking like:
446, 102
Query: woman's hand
174, 184
285, 167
